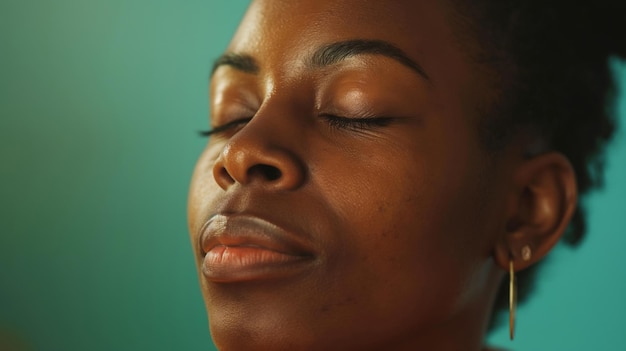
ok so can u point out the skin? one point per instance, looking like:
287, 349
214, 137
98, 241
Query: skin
412, 222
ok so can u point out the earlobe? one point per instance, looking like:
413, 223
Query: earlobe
542, 204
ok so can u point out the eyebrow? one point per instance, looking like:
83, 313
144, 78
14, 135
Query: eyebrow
334, 53
241, 62
328, 55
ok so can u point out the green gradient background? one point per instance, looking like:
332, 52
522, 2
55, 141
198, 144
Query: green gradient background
99, 105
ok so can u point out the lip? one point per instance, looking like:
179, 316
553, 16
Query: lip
240, 248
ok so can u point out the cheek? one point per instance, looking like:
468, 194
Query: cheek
398, 193
410, 223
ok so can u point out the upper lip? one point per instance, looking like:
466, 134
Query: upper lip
251, 231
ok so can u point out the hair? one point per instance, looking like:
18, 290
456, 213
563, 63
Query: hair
549, 62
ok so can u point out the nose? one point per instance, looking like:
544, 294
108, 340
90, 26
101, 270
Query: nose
254, 156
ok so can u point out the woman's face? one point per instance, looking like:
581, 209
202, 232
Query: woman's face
348, 203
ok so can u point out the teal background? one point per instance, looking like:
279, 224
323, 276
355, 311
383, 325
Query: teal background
100, 102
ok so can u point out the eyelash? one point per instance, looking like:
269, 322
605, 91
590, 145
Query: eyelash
356, 123
225, 127
336, 122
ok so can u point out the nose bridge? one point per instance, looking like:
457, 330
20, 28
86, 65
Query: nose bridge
267, 151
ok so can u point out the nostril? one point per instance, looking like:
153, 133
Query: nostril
225, 175
273, 173
266, 172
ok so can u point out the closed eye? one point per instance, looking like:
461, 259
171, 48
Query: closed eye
337, 122
225, 127
356, 123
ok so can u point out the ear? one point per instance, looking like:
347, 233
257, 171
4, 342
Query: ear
540, 206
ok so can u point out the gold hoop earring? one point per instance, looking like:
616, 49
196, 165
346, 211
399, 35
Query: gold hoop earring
512, 299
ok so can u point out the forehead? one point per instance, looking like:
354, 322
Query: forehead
287, 29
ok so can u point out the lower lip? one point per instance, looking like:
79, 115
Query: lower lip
226, 264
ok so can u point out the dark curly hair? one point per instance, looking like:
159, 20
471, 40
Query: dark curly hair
549, 61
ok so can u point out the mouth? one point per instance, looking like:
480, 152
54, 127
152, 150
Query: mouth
242, 248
